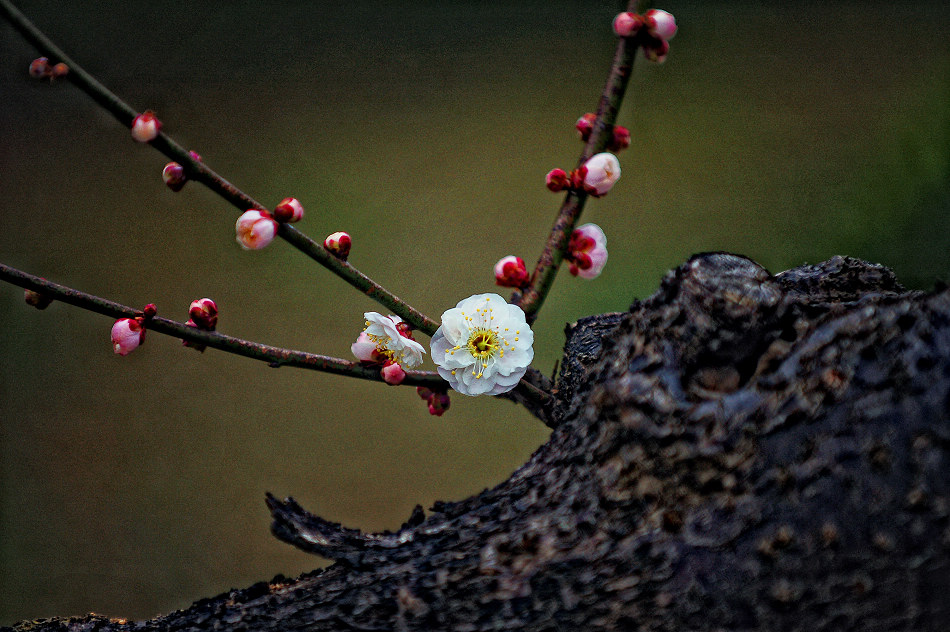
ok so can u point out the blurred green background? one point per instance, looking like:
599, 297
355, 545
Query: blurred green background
789, 132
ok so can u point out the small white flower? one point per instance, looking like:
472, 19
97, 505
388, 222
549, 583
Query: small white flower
484, 345
255, 229
603, 171
389, 342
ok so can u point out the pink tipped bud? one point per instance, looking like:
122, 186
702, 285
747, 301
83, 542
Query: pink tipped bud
660, 24
204, 313
620, 139
439, 403
587, 251
39, 68
37, 300
511, 271
656, 50
603, 171
195, 156
289, 210
174, 176
59, 71
627, 24
557, 180
423, 392
338, 244
127, 335
150, 310
145, 127
585, 125
393, 374
255, 229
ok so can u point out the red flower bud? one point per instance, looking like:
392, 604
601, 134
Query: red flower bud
59, 71
585, 125
557, 180
150, 310
511, 271
627, 24
393, 374
439, 403
655, 50
338, 244
39, 68
127, 335
174, 176
204, 313
37, 300
620, 139
145, 127
289, 210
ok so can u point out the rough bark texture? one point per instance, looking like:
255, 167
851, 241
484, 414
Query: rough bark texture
739, 451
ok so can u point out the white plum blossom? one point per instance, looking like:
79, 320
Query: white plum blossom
484, 345
603, 171
382, 331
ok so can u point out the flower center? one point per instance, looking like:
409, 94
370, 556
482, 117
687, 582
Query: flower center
483, 343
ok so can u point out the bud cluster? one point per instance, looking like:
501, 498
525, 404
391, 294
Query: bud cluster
40, 68
595, 177
438, 401
653, 30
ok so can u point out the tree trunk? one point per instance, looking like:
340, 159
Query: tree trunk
739, 451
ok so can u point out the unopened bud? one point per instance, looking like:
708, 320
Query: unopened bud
255, 229
660, 24
620, 139
289, 210
39, 68
150, 310
603, 171
585, 125
37, 300
195, 155
393, 374
656, 50
127, 335
145, 127
204, 313
439, 403
587, 251
423, 392
338, 244
174, 176
557, 180
627, 24
511, 271
59, 71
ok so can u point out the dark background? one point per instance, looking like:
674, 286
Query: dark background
789, 132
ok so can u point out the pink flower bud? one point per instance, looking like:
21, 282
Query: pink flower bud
149, 311
587, 251
195, 156
145, 127
37, 300
338, 244
627, 24
39, 68
127, 335
511, 271
655, 50
59, 71
603, 171
289, 210
393, 374
620, 139
557, 180
255, 229
174, 176
438, 404
585, 125
423, 392
204, 314
660, 24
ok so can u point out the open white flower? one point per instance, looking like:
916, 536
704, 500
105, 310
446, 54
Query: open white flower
389, 342
484, 345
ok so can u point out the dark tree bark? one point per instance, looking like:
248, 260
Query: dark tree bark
739, 451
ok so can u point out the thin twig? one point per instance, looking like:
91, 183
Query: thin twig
532, 297
274, 356
200, 172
